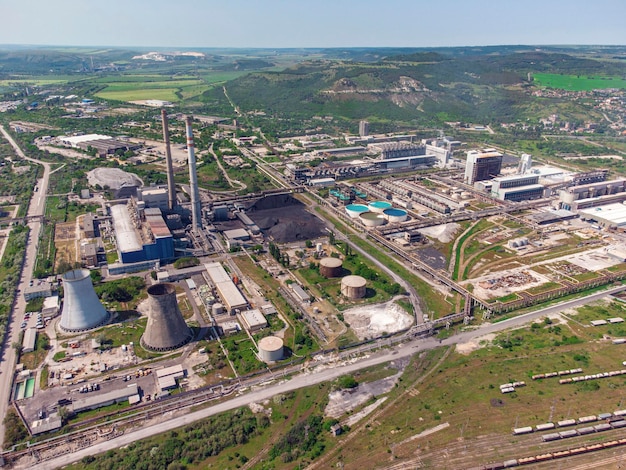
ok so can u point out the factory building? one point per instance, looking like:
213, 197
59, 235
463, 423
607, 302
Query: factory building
141, 240
393, 150
609, 216
253, 320
482, 165
522, 193
590, 191
517, 188
154, 197
228, 292
103, 144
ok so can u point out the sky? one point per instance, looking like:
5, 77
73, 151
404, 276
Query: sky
311, 23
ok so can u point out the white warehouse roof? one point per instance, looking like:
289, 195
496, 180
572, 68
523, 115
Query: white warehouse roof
127, 239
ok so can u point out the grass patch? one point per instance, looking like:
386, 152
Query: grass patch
577, 82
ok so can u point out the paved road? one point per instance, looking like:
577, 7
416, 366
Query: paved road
319, 374
36, 207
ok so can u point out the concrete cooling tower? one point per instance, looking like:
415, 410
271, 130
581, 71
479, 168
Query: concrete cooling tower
166, 328
82, 309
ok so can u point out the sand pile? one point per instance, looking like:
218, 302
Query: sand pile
371, 321
444, 233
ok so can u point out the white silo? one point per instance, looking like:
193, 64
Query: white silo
82, 309
271, 349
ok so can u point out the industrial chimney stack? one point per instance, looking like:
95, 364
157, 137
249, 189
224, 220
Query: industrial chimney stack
171, 188
196, 222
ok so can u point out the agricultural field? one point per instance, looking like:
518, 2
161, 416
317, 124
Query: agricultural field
577, 82
158, 87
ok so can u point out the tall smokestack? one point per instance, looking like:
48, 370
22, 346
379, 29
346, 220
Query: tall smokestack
171, 188
196, 222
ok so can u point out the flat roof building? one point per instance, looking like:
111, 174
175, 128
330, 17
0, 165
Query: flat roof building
482, 165
30, 339
94, 401
253, 320
155, 242
300, 293
520, 193
611, 215
229, 293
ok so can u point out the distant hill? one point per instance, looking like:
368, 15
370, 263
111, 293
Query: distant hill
469, 84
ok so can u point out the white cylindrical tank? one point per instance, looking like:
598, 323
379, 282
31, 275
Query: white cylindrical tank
271, 349
395, 215
217, 308
371, 219
354, 287
379, 206
82, 309
353, 210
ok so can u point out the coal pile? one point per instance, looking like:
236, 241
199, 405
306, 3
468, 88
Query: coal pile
285, 219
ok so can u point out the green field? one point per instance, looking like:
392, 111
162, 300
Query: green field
577, 82
151, 87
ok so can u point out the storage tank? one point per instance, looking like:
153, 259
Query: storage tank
354, 210
394, 215
82, 309
166, 328
353, 287
271, 349
372, 219
379, 206
330, 267
217, 308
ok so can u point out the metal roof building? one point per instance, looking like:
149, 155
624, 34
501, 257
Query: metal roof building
231, 296
104, 399
158, 243
127, 239
30, 338
611, 215
253, 320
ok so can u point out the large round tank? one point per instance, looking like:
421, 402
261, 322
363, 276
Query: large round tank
354, 210
271, 349
217, 308
395, 215
82, 309
379, 206
330, 267
371, 219
166, 328
353, 287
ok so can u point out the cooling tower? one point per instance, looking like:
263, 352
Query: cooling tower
82, 309
166, 328
171, 188
196, 222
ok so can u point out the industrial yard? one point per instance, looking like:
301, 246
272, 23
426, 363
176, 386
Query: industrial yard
214, 263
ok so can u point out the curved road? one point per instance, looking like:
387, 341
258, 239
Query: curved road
37, 207
314, 375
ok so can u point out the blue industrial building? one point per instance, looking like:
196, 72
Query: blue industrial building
141, 239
